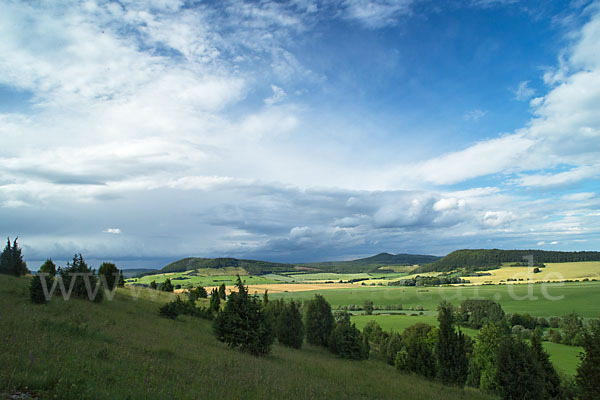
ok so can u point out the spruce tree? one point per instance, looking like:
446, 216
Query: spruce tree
121, 282
319, 321
215, 301
48, 267
450, 351
75, 275
588, 371
153, 285
11, 260
222, 292
36, 291
518, 374
289, 327
167, 286
243, 324
110, 273
552, 387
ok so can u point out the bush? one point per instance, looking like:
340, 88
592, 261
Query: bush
176, 307
243, 324
167, 286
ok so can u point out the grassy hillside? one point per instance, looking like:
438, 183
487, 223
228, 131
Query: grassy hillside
493, 258
123, 349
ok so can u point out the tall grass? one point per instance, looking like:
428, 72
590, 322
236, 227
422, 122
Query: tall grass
122, 349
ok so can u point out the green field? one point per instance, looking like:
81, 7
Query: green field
564, 358
124, 349
582, 297
186, 280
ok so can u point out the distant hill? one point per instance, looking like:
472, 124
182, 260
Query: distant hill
370, 264
130, 273
255, 267
491, 258
258, 267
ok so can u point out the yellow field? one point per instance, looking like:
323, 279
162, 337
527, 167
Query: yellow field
554, 272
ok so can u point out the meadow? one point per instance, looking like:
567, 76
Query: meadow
123, 349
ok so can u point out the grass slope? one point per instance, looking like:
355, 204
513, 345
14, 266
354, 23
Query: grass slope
123, 349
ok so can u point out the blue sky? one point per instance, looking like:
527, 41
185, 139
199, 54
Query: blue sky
298, 131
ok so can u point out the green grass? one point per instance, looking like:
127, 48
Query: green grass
582, 297
398, 323
565, 358
203, 280
122, 349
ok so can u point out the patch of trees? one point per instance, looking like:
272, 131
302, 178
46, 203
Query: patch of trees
428, 281
498, 361
493, 258
11, 260
588, 372
286, 320
475, 313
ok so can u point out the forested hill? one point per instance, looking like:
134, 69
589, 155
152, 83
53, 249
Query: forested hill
372, 263
251, 266
489, 258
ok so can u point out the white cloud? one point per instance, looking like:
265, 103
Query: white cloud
541, 243
554, 242
377, 13
474, 115
115, 231
523, 91
278, 96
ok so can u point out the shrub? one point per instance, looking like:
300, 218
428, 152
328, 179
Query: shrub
167, 286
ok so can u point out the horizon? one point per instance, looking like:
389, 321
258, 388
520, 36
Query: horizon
298, 132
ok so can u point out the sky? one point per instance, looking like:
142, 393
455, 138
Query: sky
297, 131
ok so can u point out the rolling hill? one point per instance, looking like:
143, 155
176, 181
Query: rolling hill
258, 267
472, 259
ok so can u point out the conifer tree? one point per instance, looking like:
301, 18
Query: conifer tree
110, 273
121, 282
222, 292
167, 286
289, 327
11, 260
48, 267
588, 372
215, 301
450, 351
153, 285
552, 388
243, 324
75, 274
36, 291
319, 321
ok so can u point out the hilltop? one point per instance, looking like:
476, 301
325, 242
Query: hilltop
370, 264
472, 259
